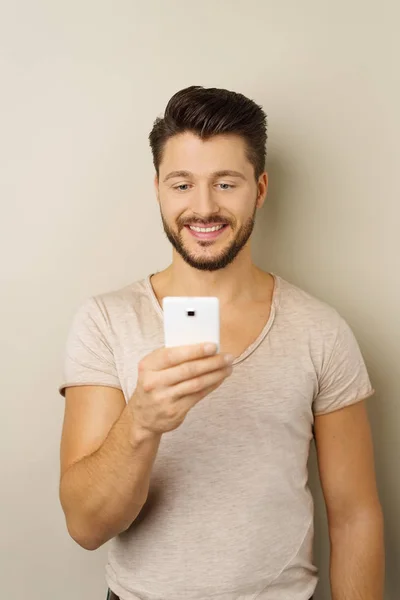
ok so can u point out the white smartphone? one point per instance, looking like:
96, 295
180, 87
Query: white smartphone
191, 320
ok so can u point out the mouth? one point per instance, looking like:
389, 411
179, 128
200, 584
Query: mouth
206, 232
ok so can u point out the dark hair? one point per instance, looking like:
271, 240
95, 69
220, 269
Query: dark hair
208, 112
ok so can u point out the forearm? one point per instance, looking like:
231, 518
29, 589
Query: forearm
357, 558
103, 493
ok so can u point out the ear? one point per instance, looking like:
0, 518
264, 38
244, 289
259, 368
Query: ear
262, 189
157, 187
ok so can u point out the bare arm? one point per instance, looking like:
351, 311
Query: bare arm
108, 448
346, 465
106, 462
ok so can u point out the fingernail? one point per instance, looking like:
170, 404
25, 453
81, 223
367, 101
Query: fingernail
210, 348
229, 358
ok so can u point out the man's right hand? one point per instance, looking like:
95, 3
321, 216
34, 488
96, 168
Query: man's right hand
172, 380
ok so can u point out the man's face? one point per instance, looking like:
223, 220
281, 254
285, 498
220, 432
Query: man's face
208, 197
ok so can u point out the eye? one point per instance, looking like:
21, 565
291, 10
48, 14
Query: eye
182, 187
225, 186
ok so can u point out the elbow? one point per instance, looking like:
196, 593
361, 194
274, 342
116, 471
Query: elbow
86, 534
80, 526
363, 518
84, 539
88, 527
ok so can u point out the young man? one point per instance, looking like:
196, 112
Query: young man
194, 462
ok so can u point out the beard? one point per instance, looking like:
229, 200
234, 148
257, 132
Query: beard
212, 263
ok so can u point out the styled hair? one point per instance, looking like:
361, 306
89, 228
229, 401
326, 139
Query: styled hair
208, 112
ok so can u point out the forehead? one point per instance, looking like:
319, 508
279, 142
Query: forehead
188, 152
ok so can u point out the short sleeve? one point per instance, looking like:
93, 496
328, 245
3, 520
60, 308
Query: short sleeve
344, 379
89, 358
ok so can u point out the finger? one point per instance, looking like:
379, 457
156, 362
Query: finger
165, 358
195, 398
193, 369
199, 384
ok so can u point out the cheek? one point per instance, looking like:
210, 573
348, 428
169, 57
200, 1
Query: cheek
238, 208
172, 211
174, 204
240, 202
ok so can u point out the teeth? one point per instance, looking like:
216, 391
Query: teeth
206, 229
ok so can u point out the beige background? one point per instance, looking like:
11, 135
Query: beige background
81, 82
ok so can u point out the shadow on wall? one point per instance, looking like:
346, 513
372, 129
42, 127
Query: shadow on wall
283, 175
271, 254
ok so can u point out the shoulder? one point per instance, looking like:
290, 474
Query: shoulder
108, 309
129, 297
313, 324
300, 309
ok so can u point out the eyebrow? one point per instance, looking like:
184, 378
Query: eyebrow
215, 175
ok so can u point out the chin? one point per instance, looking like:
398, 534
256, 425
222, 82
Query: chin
206, 261
205, 256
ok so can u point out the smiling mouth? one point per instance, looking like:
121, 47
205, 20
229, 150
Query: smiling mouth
206, 229
205, 232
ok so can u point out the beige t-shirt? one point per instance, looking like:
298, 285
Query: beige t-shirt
229, 514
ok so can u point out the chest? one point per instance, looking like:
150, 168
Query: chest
253, 433
273, 381
240, 328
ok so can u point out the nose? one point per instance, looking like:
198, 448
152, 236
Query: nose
203, 202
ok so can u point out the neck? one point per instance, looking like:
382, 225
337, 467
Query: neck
236, 282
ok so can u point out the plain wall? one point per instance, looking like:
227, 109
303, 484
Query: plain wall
81, 83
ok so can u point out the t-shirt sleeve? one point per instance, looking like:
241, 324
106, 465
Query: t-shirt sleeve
89, 358
344, 379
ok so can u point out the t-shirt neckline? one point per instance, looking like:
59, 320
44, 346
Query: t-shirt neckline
262, 335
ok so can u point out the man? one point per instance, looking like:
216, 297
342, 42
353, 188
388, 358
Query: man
194, 462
